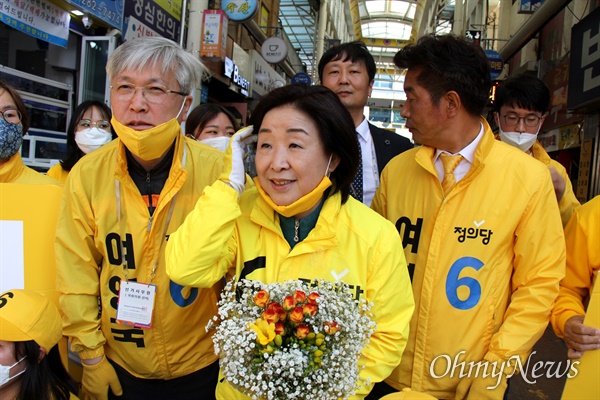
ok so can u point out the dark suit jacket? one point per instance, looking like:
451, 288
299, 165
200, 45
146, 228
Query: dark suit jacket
387, 145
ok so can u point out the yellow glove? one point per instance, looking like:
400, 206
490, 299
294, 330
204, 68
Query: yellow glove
233, 171
97, 378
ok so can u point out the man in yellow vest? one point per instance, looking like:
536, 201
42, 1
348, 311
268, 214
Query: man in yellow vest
480, 228
519, 110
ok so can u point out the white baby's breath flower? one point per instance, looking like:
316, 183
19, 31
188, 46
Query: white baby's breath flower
285, 372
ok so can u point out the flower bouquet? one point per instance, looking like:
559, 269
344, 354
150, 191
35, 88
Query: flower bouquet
291, 340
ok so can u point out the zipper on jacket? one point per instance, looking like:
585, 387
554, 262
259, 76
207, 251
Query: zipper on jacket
297, 231
149, 223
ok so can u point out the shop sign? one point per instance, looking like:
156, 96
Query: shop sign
274, 50
239, 10
214, 34
568, 137
529, 6
496, 63
585, 169
136, 29
265, 77
302, 77
584, 76
108, 11
233, 71
549, 140
37, 18
557, 80
149, 18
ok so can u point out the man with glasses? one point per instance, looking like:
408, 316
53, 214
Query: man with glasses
14, 123
137, 332
520, 110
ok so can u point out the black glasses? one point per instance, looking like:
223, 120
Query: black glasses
86, 123
155, 94
530, 120
11, 116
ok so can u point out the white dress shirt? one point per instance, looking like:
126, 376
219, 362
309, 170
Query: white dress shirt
463, 167
369, 162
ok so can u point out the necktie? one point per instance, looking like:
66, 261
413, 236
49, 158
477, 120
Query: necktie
450, 163
356, 190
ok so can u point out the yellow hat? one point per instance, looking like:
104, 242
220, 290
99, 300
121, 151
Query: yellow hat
27, 315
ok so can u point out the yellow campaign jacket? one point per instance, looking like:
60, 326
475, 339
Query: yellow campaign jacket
57, 172
569, 203
487, 261
88, 248
349, 242
582, 236
14, 171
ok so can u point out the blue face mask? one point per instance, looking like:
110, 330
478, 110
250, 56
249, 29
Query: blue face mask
11, 137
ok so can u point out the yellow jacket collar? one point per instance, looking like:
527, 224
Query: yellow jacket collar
12, 169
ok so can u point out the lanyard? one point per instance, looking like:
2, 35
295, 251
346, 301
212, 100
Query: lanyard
122, 229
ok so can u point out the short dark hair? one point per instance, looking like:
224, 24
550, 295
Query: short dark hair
336, 127
199, 117
74, 154
449, 63
19, 103
524, 91
354, 51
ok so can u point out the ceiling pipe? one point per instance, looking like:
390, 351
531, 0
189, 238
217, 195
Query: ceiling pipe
531, 27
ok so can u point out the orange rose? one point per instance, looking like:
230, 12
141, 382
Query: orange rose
332, 327
312, 298
309, 309
288, 303
270, 316
276, 308
296, 315
279, 329
301, 331
299, 296
261, 299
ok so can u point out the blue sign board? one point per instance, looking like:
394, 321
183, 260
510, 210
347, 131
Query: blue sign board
301, 77
496, 63
109, 11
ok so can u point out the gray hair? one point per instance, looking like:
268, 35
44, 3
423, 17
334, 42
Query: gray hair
157, 52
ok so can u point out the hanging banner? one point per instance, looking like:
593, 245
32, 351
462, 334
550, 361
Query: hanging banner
149, 17
109, 11
38, 18
214, 34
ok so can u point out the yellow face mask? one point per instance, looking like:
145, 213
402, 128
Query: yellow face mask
304, 203
301, 205
148, 144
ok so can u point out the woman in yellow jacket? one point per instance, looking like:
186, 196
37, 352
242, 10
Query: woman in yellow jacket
88, 130
14, 123
299, 222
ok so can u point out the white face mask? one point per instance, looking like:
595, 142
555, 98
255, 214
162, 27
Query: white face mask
523, 141
90, 139
219, 142
5, 373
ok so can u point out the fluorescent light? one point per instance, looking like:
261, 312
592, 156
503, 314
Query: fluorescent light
76, 13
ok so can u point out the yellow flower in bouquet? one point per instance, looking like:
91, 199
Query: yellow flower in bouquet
265, 331
291, 340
